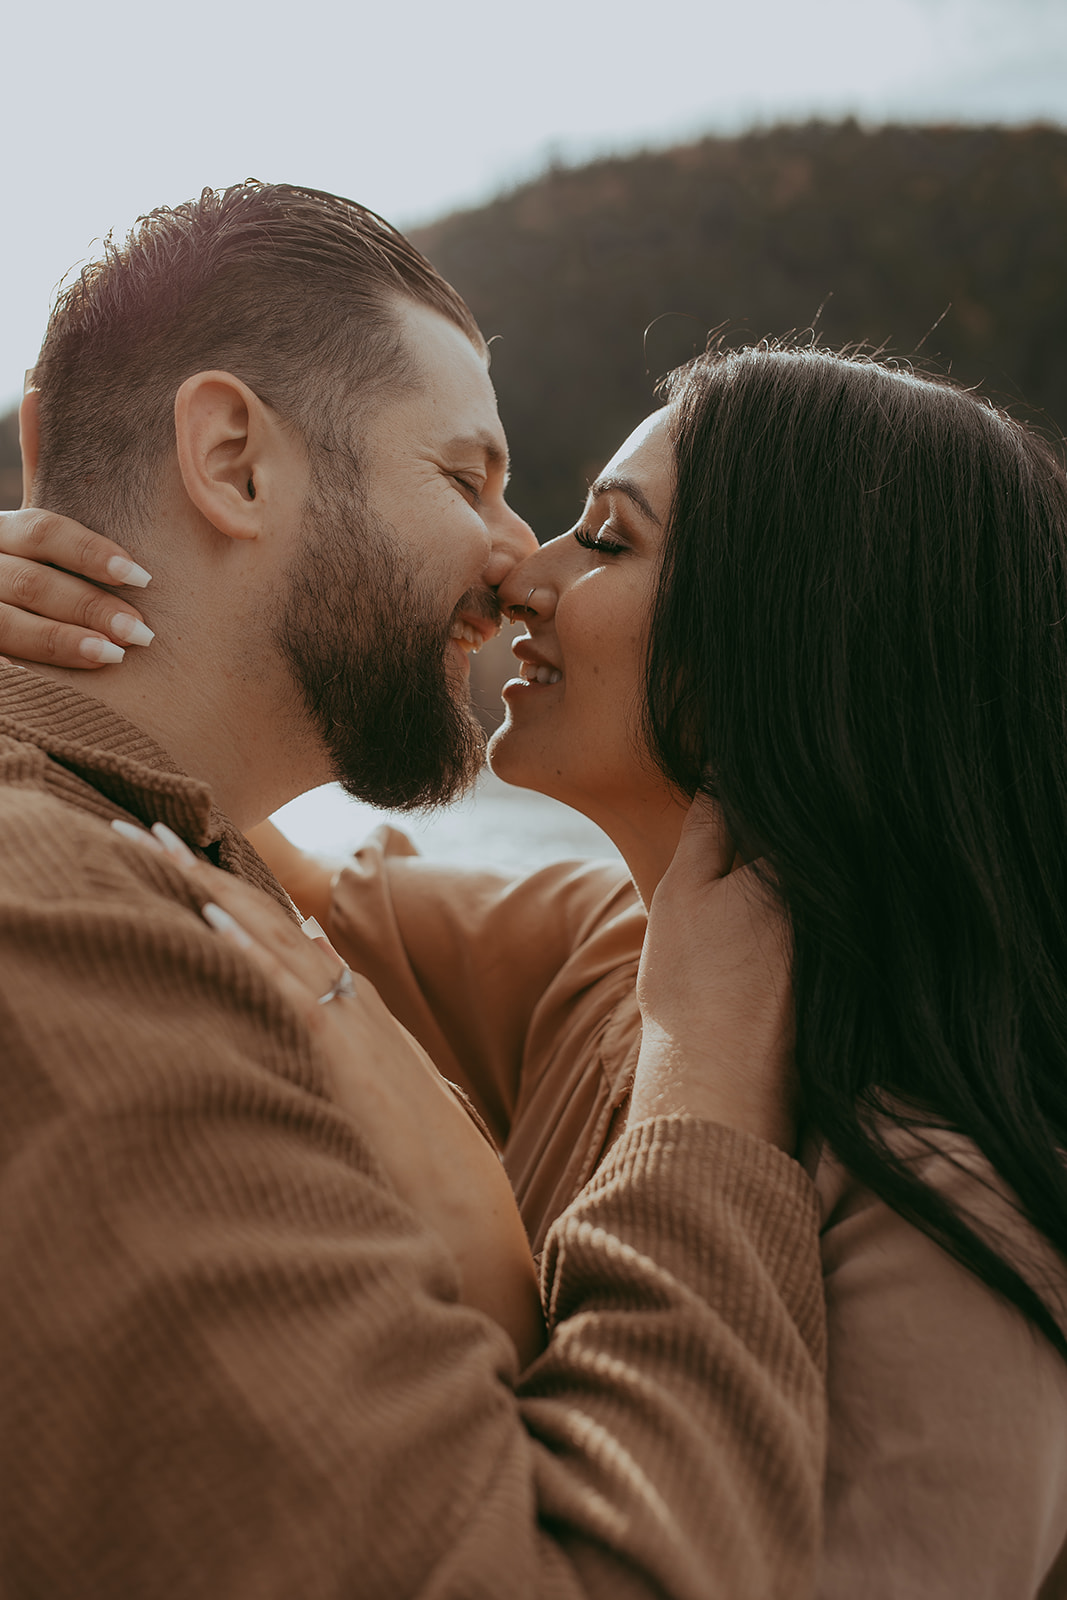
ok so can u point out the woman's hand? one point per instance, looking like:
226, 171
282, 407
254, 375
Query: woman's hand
47, 615
715, 991
430, 1147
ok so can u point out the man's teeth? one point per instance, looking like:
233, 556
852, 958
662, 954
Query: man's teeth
539, 674
467, 635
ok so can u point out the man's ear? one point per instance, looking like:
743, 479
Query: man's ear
29, 436
226, 441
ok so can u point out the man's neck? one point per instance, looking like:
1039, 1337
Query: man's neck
216, 725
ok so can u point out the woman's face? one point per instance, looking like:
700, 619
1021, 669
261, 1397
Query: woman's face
573, 715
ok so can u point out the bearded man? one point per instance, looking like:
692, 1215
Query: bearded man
246, 1348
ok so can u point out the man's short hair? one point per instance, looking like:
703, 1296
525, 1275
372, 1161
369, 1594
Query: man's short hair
292, 290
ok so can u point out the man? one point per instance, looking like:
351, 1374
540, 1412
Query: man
234, 1362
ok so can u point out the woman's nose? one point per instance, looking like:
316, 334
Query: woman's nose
530, 589
517, 610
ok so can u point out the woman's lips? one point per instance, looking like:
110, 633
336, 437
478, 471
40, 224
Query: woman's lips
533, 668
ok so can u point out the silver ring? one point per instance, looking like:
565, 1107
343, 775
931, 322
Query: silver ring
526, 602
343, 989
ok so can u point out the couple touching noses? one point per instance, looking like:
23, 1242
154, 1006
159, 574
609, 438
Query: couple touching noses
827, 593
280, 1326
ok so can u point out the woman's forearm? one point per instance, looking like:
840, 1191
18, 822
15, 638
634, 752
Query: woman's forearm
305, 879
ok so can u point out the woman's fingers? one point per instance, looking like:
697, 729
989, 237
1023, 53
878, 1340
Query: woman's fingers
297, 988
304, 968
300, 962
705, 849
49, 616
256, 921
424, 1139
46, 536
715, 989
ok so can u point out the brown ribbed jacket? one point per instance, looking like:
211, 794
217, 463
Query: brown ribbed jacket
232, 1363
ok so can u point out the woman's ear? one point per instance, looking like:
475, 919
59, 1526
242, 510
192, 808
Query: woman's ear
224, 435
28, 442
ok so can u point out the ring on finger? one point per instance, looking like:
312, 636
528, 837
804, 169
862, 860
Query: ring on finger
343, 989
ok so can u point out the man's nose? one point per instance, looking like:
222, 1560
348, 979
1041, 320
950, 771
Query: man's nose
513, 541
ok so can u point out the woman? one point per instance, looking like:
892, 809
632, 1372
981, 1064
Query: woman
832, 596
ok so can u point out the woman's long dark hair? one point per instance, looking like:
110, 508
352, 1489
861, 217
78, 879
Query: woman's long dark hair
859, 648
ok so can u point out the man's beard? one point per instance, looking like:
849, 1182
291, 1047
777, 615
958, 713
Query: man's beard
368, 653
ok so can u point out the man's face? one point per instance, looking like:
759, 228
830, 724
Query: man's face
394, 584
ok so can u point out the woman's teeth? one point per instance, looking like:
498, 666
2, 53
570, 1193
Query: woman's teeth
467, 636
536, 674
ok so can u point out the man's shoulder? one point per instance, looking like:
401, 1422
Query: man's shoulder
55, 841
87, 916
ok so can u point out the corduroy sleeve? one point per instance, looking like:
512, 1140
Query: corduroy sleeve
233, 1364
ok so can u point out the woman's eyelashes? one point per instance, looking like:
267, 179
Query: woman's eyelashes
598, 540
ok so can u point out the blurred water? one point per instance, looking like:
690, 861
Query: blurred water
496, 825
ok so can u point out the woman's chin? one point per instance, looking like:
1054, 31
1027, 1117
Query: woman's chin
505, 760
513, 759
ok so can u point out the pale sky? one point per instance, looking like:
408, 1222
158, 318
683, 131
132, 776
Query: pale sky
414, 109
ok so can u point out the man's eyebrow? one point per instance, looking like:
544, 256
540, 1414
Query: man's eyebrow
486, 443
630, 489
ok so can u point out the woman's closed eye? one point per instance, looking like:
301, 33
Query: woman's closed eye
599, 541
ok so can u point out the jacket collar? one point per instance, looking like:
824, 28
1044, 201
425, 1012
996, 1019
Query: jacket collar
93, 746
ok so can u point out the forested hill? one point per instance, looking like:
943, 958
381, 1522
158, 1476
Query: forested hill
882, 228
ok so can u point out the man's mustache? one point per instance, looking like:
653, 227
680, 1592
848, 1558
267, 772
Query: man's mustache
481, 603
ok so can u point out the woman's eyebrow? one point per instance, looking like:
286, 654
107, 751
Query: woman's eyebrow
630, 489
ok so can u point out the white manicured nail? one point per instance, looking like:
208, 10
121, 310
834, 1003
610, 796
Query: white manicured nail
173, 845
223, 923
141, 836
130, 628
312, 929
101, 650
128, 573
